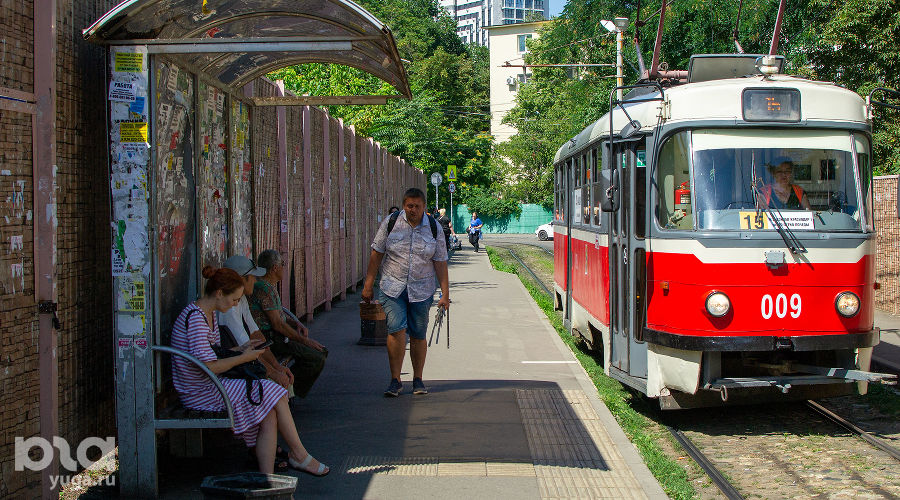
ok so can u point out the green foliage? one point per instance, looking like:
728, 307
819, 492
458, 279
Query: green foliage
483, 202
445, 123
855, 43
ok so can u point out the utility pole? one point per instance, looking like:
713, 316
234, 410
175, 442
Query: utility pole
618, 26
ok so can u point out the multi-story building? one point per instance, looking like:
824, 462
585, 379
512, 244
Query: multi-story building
508, 43
472, 16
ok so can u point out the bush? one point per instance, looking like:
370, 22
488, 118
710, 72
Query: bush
485, 204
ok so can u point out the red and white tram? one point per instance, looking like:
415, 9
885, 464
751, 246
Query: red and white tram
715, 239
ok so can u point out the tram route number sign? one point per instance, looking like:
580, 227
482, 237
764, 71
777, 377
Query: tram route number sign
761, 220
436, 179
451, 187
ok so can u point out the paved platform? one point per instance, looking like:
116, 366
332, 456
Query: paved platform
510, 415
886, 355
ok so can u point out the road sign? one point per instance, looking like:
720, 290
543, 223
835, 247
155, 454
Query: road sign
436, 179
451, 172
451, 187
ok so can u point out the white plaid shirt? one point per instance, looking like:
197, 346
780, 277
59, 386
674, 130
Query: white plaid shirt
409, 256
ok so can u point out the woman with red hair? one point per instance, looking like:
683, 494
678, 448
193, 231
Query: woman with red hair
195, 331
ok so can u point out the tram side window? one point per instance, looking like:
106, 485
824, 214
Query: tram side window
864, 160
595, 189
576, 191
586, 190
674, 209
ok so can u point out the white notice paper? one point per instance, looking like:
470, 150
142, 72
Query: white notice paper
122, 91
793, 220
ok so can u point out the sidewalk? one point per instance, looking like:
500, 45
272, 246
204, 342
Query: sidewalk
510, 413
886, 354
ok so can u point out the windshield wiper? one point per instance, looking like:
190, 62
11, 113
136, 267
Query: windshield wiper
790, 239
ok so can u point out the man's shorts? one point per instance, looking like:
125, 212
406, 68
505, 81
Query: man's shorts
403, 314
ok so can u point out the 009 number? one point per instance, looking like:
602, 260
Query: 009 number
779, 306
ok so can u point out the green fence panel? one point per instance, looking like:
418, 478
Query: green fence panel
532, 216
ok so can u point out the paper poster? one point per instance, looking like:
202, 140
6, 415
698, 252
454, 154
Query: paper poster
131, 295
129, 62
137, 107
122, 91
133, 132
124, 345
131, 325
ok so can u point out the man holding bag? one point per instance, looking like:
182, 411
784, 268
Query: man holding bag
411, 258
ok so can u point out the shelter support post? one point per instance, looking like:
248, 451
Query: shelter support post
134, 320
45, 235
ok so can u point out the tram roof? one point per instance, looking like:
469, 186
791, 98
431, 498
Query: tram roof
720, 100
235, 41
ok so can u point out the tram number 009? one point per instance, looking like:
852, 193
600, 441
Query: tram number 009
779, 306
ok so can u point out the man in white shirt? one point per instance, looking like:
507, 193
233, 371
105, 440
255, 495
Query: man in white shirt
239, 320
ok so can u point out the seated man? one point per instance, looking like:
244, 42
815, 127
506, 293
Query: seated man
240, 322
290, 338
781, 193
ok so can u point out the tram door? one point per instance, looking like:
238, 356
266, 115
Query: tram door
626, 262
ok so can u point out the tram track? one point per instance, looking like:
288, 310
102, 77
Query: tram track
732, 448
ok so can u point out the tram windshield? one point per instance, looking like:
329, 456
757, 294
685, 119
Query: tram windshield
726, 179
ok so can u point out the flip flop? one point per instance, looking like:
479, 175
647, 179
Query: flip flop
323, 470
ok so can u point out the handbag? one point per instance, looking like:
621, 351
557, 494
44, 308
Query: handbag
250, 371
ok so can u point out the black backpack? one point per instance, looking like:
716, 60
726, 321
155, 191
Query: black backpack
393, 220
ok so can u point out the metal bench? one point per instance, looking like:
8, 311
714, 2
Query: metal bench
179, 417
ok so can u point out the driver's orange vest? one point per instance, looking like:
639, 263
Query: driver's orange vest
767, 193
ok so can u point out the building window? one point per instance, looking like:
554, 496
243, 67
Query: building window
522, 47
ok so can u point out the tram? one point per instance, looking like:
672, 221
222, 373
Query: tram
714, 239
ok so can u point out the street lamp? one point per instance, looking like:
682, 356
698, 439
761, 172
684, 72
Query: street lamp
617, 26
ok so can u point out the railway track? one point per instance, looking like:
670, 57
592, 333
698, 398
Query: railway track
719, 479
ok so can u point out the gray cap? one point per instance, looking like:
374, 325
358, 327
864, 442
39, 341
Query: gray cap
244, 266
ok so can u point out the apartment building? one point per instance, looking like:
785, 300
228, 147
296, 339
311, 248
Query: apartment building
473, 16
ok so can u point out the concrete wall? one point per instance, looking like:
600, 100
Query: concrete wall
887, 265
532, 216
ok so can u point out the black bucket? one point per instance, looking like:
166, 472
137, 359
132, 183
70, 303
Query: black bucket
249, 485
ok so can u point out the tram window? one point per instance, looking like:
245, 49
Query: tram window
864, 161
808, 175
595, 189
674, 209
640, 197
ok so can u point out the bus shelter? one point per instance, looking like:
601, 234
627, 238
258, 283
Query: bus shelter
209, 159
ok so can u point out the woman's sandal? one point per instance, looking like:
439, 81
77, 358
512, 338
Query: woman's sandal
323, 469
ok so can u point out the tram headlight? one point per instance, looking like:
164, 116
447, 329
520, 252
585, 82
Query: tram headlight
717, 304
847, 304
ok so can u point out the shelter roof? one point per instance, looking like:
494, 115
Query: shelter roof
235, 41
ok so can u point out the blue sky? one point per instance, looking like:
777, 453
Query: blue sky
556, 6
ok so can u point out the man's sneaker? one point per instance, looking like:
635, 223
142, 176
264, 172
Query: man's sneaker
394, 389
419, 386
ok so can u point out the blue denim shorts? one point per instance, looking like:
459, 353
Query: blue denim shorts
403, 314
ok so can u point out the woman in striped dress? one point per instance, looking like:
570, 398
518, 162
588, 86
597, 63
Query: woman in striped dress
194, 332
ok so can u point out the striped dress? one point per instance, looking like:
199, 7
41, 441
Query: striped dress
199, 393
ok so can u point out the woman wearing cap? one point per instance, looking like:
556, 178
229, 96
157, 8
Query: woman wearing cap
240, 322
781, 193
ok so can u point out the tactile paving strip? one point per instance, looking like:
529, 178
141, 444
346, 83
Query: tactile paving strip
572, 455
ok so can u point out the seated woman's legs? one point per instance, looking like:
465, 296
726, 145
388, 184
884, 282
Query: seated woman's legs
296, 451
267, 442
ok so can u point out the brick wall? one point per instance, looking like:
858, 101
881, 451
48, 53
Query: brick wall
887, 267
86, 404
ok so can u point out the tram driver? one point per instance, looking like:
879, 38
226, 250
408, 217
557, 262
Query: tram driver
781, 193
